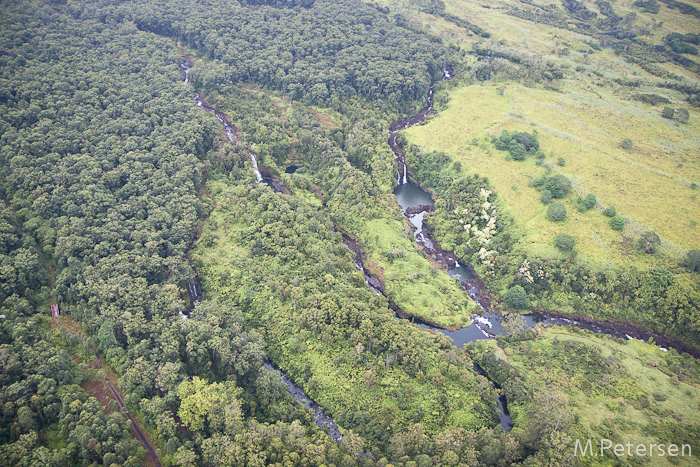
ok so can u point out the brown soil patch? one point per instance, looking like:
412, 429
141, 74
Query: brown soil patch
323, 119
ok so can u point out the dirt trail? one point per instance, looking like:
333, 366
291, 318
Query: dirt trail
117, 396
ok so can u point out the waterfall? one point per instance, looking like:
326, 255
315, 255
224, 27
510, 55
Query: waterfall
398, 175
405, 179
457, 264
187, 75
255, 167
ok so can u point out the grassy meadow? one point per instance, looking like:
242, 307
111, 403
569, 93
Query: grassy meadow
628, 391
583, 119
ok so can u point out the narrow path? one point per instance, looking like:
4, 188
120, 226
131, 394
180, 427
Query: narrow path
137, 428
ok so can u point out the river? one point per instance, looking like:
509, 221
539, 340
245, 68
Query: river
194, 288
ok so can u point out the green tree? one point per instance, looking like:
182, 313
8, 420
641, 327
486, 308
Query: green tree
559, 185
214, 405
610, 212
587, 203
546, 196
556, 212
513, 323
692, 260
617, 223
565, 242
516, 297
682, 115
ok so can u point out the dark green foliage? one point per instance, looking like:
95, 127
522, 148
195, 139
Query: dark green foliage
516, 297
682, 115
538, 182
648, 6
339, 48
627, 144
519, 145
561, 162
556, 212
558, 185
587, 203
653, 99
280, 3
648, 242
565, 242
667, 112
610, 211
692, 260
617, 223
681, 44
546, 196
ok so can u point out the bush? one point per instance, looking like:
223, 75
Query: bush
667, 112
692, 260
649, 242
626, 143
516, 297
617, 223
682, 115
610, 212
558, 185
556, 212
538, 182
561, 162
546, 196
518, 144
565, 242
587, 203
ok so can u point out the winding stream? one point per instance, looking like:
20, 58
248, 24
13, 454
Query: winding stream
322, 420
194, 288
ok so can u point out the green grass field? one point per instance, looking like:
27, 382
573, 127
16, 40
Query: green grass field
644, 184
644, 372
583, 119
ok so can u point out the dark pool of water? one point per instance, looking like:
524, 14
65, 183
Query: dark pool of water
411, 195
291, 169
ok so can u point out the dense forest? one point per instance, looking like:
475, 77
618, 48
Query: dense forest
120, 193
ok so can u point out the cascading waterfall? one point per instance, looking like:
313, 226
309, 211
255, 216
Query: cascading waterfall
405, 178
230, 135
255, 167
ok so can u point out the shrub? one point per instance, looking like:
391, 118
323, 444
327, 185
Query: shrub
667, 112
546, 196
682, 115
565, 242
648, 243
528, 140
538, 182
457, 166
516, 297
517, 150
692, 260
626, 143
559, 185
587, 203
561, 162
556, 212
653, 99
617, 223
610, 212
